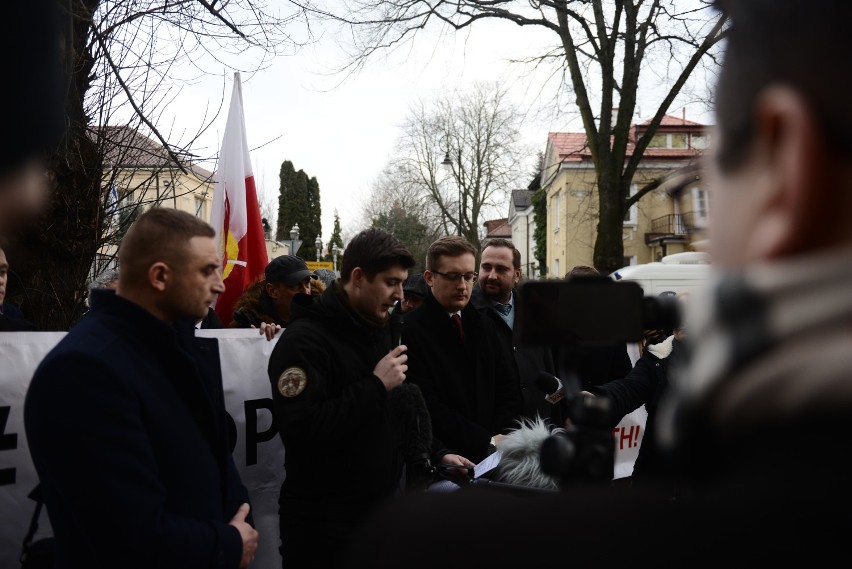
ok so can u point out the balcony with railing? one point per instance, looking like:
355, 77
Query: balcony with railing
671, 228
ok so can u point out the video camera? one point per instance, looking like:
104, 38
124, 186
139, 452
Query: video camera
589, 311
567, 316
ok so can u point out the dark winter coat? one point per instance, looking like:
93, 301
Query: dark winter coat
646, 384
341, 458
255, 307
469, 388
528, 362
12, 319
126, 424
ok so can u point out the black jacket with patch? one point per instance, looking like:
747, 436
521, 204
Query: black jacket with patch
341, 459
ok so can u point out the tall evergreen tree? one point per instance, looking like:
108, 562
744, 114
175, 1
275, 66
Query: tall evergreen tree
539, 203
299, 203
335, 240
287, 179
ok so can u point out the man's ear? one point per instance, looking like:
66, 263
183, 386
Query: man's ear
158, 275
271, 290
428, 277
801, 179
356, 277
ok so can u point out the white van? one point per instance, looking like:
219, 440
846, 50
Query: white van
676, 273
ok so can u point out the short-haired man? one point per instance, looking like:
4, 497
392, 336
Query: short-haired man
494, 295
125, 417
456, 359
331, 372
762, 412
266, 305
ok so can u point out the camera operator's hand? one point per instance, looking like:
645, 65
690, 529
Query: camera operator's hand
391, 369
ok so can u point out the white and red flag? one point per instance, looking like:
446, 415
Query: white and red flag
236, 212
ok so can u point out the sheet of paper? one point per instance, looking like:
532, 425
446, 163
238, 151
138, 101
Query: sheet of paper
488, 464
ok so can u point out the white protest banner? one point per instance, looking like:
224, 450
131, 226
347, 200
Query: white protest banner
258, 453
628, 435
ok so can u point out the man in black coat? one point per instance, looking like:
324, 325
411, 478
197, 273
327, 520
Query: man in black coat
331, 373
125, 417
455, 357
499, 274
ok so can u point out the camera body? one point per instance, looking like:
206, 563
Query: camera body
585, 450
585, 311
588, 311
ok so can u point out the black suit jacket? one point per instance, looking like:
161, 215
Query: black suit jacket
528, 362
468, 386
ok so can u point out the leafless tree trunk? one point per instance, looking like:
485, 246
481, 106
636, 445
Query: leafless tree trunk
123, 66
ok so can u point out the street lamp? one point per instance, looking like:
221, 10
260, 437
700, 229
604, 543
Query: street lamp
294, 239
447, 163
335, 251
318, 244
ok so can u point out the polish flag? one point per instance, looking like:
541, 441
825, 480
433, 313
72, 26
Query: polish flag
236, 213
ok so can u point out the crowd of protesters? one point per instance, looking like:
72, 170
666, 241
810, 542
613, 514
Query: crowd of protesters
745, 460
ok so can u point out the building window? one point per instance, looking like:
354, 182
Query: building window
658, 141
556, 207
700, 205
556, 272
629, 261
633, 213
699, 141
672, 140
201, 207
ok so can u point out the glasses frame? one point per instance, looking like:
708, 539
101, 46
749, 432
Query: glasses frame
454, 277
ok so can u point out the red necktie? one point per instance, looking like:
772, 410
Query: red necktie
457, 319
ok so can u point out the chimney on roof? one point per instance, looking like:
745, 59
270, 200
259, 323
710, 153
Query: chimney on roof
684, 114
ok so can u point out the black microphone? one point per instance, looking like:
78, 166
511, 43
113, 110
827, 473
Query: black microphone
551, 387
412, 429
396, 321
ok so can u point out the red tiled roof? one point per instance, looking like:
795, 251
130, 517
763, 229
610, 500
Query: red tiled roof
669, 120
498, 228
570, 146
573, 146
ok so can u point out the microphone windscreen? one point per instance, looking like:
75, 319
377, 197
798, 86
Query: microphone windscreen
410, 421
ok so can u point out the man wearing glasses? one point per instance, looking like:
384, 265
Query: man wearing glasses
455, 358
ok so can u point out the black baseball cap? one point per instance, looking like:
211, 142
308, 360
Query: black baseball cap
288, 269
415, 284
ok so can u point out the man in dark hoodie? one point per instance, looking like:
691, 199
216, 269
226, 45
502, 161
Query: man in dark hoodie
331, 372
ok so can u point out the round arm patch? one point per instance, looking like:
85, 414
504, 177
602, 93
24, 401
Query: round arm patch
292, 382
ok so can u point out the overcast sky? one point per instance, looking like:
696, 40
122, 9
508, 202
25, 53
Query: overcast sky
344, 133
